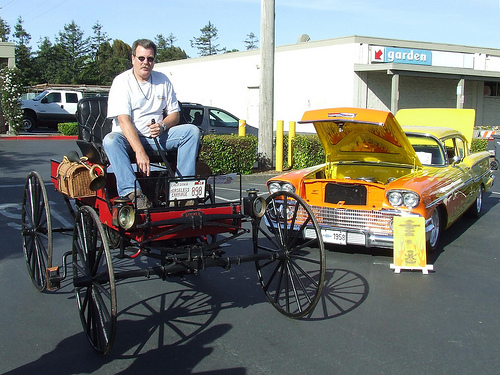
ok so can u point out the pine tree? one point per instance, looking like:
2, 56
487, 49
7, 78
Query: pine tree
206, 42
251, 41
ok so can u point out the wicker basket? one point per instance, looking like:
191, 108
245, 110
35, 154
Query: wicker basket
74, 180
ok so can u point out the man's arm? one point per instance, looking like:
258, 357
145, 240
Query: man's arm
130, 133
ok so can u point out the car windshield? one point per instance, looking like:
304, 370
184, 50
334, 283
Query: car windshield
428, 150
40, 96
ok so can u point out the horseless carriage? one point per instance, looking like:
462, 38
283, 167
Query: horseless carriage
182, 231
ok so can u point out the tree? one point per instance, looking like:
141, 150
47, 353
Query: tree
97, 40
23, 53
4, 31
166, 51
46, 63
251, 41
206, 42
75, 53
95, 71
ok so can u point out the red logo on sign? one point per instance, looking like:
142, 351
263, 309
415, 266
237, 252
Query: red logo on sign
378, 54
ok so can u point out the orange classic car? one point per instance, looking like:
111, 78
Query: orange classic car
376, 169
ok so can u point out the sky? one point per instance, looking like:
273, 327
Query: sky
462, 22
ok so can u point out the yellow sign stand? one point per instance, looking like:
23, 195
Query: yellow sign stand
409, 245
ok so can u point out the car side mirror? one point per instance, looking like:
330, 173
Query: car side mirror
44, 100
456, 159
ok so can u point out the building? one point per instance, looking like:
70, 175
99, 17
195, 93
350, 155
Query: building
353, 71
7, 54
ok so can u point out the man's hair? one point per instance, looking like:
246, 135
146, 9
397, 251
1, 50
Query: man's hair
144, 43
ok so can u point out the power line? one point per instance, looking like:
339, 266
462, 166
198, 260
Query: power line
10, 2
50, 10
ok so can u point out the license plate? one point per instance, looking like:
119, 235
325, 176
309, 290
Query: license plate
190, 189
337, 237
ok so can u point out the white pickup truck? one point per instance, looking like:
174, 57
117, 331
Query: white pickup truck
50, 107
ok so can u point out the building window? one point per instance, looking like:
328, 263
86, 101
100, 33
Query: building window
492, 89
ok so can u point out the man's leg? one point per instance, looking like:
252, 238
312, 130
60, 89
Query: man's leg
186, 139
116, 146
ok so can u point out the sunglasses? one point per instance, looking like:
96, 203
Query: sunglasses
142, 58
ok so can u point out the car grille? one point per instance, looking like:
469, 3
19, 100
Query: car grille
377, 222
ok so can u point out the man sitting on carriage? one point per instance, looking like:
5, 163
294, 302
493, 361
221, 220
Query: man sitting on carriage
143, 106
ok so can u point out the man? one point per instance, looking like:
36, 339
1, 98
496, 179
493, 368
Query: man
143, 105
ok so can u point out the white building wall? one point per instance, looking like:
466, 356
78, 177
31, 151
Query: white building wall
221, 81
317, 78
322, 74
312, 79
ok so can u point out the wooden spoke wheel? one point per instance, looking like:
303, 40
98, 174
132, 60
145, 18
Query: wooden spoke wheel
293, 275
36, 230
93, 278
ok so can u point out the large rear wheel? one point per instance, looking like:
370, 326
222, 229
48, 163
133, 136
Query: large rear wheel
36, 230
293, 274
93, 278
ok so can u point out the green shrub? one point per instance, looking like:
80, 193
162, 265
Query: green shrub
229, 153
479, 144
307, 151
68, 128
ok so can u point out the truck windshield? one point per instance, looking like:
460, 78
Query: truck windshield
40, 96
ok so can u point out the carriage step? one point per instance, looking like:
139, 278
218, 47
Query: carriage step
53, 278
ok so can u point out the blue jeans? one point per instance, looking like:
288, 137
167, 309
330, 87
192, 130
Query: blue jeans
185, 138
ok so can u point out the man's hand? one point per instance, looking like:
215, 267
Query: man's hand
155, 129
143, 164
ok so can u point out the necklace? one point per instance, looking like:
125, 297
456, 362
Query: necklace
149, 89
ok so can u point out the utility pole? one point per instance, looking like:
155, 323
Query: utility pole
266, 100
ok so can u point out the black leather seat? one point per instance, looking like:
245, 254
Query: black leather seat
93, 125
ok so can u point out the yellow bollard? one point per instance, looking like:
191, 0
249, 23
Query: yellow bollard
279, 146
242, 128
291, 137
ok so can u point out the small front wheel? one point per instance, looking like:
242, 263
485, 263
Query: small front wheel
292, 271
36, 230
94, 281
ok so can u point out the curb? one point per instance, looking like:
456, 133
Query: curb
39, 137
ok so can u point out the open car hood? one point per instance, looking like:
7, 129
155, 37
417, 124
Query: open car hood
361, 135
461, 120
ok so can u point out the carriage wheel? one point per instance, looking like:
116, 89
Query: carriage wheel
294, 274
36, 229
94, 281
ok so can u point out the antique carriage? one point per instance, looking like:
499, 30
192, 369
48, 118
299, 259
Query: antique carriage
182, 231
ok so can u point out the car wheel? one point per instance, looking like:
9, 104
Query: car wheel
494, 164
435, 231
29, 123
476, 209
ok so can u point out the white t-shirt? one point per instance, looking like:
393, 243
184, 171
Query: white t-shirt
142, 101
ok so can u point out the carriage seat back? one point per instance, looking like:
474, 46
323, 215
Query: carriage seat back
93, 125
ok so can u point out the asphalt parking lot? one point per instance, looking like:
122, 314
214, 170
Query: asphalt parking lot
369, 319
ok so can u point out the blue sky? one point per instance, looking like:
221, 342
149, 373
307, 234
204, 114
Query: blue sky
463, 22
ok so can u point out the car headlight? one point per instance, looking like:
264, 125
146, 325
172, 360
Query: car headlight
275, 186
411, 199
399, 198
395, 198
